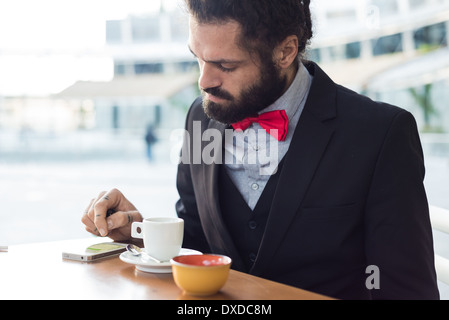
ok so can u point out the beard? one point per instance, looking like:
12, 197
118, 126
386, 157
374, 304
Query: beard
251, 101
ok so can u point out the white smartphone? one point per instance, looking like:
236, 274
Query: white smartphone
94, 252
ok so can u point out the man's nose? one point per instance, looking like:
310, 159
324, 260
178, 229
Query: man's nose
209, 77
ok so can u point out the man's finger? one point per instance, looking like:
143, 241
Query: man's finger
90, 209
94, 231
85, 219
101, 208
88, 223
121, 219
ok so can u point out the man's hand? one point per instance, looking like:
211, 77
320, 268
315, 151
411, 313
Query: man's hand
111, 214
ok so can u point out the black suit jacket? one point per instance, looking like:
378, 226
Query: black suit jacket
350, 195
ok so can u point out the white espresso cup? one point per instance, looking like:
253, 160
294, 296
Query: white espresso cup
162, 237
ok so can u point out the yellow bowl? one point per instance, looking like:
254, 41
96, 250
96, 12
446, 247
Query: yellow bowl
201, 275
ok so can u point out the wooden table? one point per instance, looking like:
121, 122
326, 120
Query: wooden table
37, 271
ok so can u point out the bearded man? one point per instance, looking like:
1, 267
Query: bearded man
346, 196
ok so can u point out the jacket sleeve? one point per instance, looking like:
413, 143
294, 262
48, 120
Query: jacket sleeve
399, 237
186, 207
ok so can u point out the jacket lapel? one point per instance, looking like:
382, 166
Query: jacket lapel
308, 145
218, 235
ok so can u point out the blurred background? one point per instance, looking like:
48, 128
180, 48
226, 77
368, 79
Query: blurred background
91, 91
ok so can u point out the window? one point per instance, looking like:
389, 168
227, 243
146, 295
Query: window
343, 15
145, 29
113, 31
143, 68
431, 36
119, 69
388, 44
353, 50
180, 27
387, 7
314, 55
187, 66
418, 3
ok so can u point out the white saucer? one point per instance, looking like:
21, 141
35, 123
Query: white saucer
147, 265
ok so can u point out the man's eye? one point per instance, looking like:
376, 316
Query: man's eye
225, 69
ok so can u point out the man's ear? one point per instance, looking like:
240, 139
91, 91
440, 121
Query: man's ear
286, 52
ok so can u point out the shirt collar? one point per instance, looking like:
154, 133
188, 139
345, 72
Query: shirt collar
292, 99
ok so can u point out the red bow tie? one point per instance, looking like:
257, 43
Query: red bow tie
276, 120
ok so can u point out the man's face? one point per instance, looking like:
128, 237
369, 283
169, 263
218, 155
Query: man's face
234, 84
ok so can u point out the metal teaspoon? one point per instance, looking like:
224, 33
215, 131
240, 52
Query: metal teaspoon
136, 251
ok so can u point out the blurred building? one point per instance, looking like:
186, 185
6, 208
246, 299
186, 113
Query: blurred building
150, 44
392, 50
155, 77
154, 82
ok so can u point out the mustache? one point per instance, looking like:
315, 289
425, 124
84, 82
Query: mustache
219, 93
